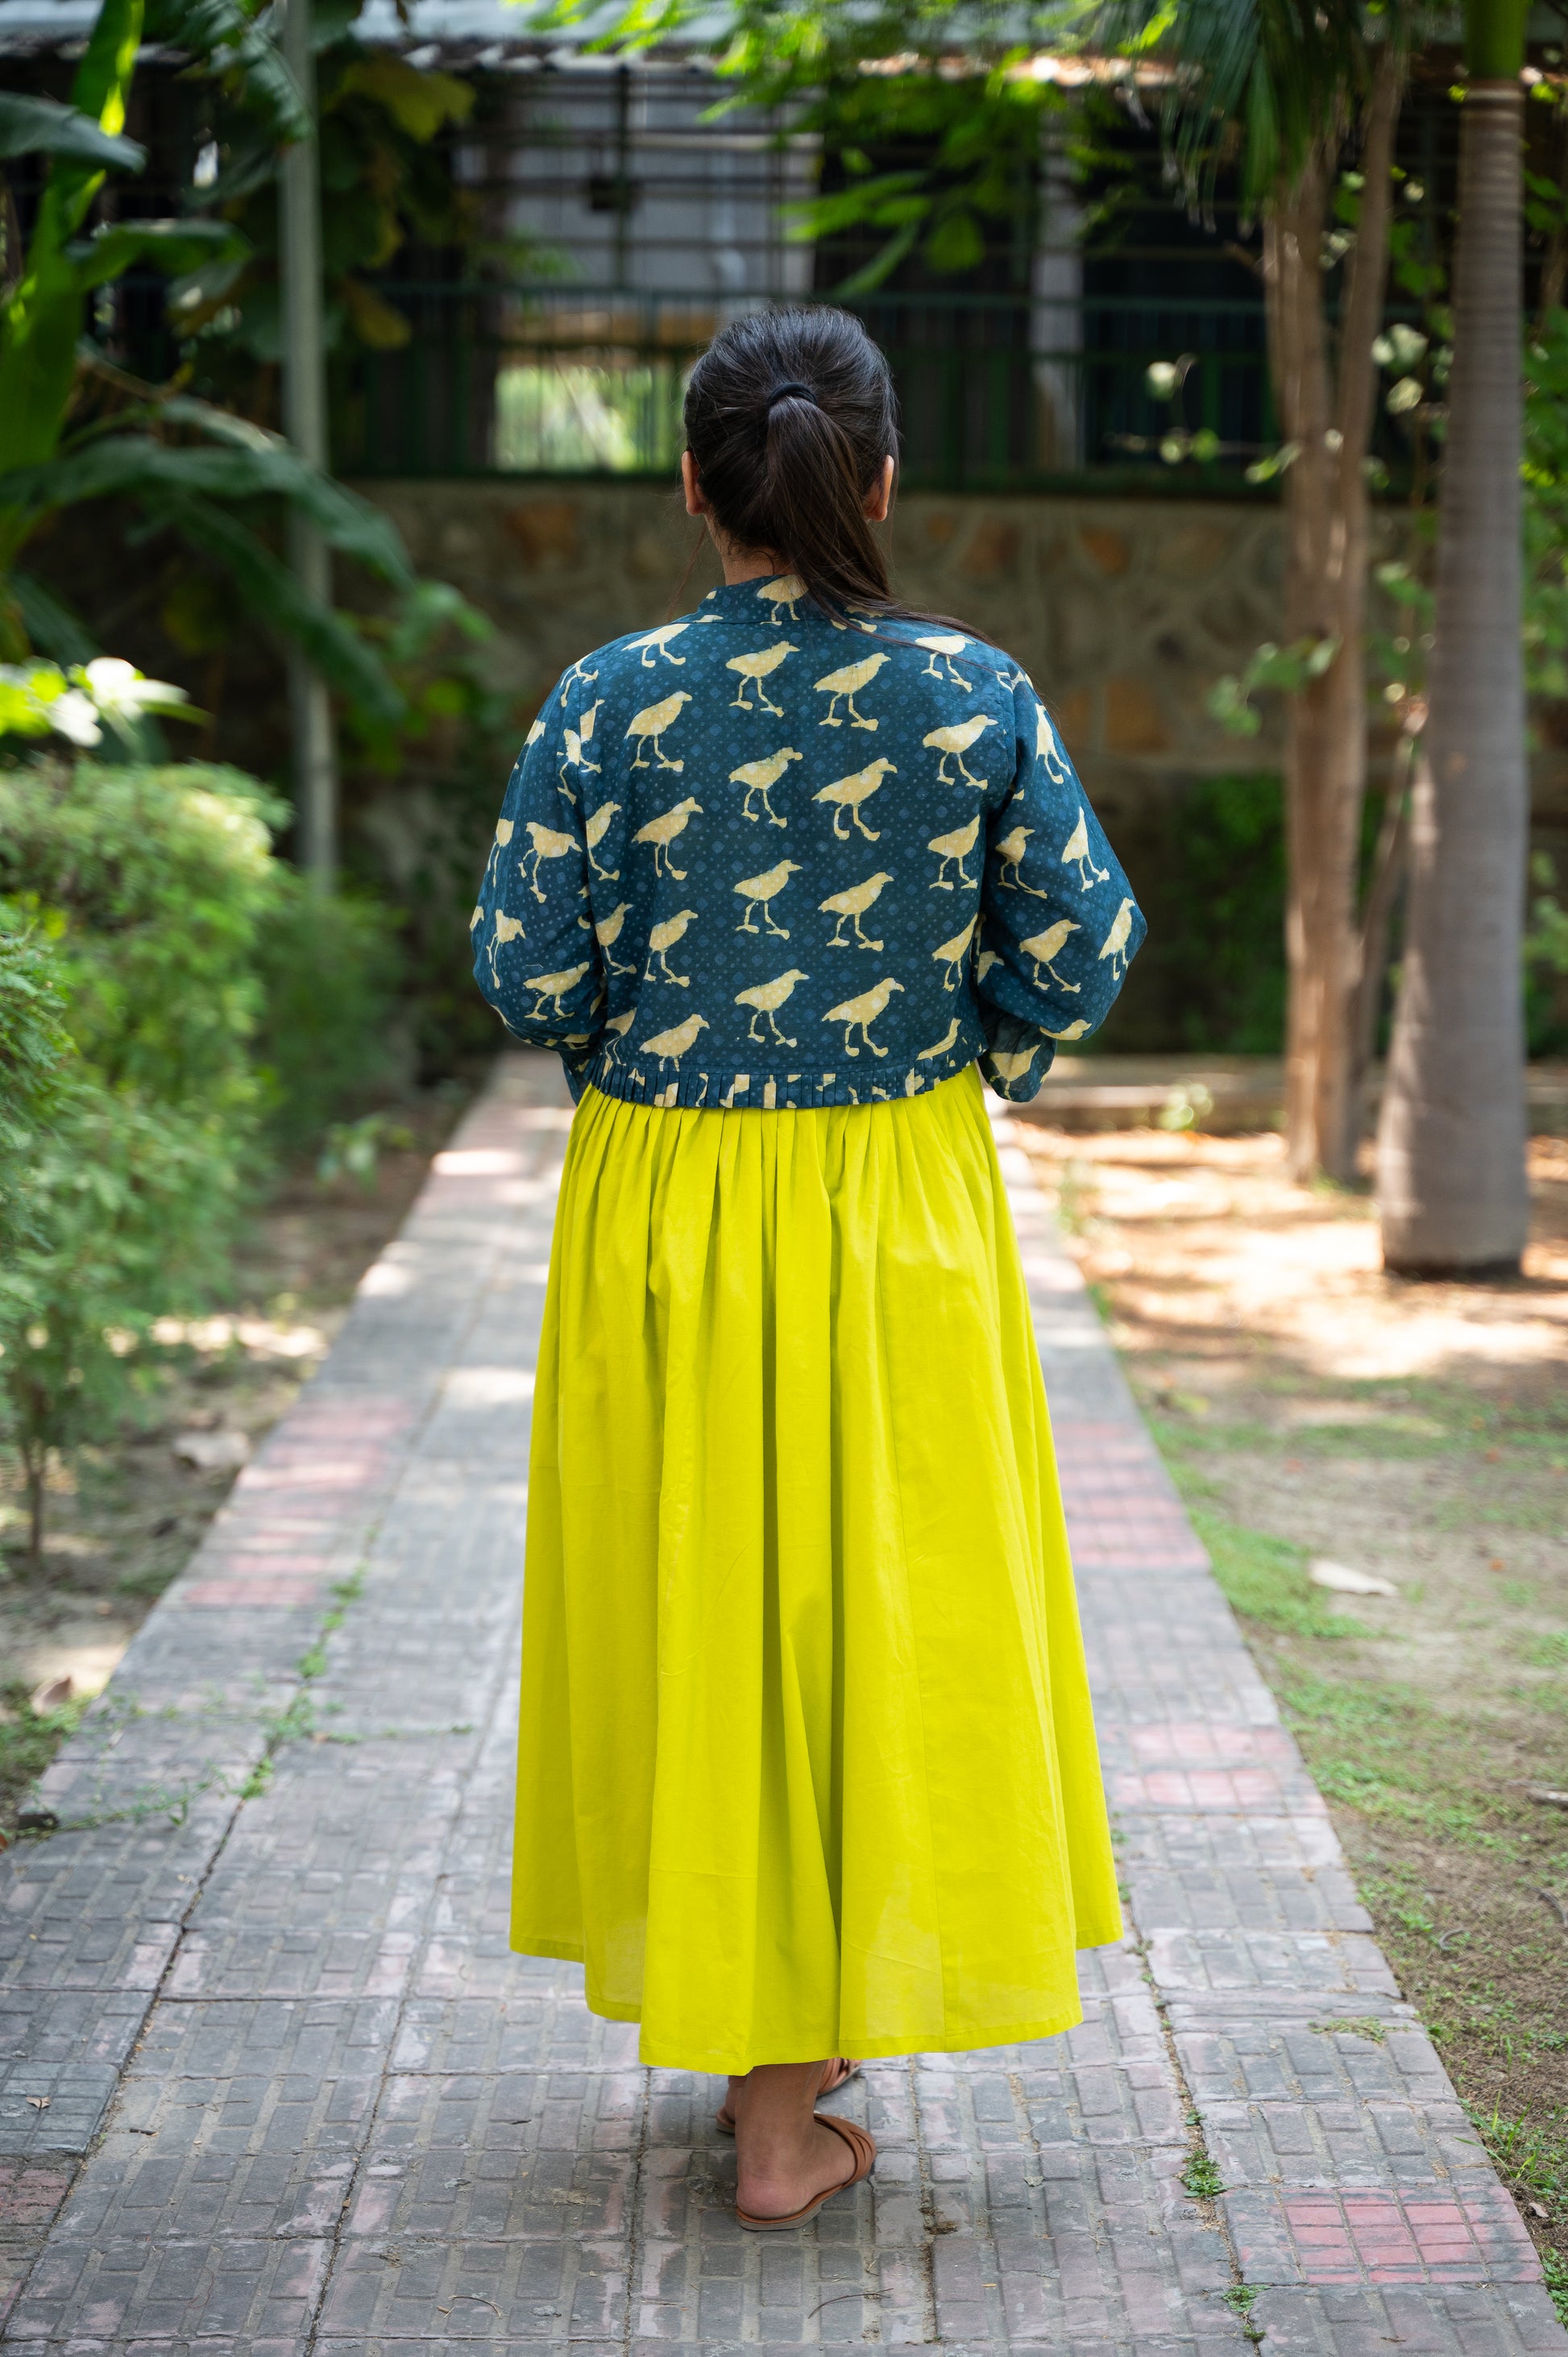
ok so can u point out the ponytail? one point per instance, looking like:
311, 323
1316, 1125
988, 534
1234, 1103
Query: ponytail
790, 419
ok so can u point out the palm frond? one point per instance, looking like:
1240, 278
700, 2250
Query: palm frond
275, 595
255, 465
42, 126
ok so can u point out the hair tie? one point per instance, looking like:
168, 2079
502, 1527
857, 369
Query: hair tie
783, 393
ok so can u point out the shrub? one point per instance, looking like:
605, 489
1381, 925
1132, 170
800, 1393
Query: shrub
211, 997
328, 1041
32, 1043
152, 885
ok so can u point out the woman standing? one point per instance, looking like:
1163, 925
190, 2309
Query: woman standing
807, 1768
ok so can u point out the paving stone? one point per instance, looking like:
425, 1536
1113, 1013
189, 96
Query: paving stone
1487, 2321
325, 2108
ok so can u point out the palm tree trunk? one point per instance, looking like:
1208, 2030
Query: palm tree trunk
1327, 412
1452, 1191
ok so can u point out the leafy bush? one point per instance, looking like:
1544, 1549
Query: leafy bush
1546, 962
32, 1043
152, 885
328, 1042
211, 997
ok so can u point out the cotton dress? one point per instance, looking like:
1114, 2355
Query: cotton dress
807, 1764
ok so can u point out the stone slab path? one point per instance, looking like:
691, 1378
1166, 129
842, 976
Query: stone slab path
271, 2083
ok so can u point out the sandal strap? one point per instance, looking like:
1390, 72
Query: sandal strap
862, 2143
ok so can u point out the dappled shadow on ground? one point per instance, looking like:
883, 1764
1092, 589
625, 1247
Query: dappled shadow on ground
1312, 1409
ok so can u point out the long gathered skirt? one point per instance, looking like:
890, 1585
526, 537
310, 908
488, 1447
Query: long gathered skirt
807, 1760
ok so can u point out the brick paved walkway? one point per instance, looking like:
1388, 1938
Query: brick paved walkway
270, 2081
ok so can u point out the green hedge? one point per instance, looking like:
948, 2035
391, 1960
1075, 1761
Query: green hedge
176, 1006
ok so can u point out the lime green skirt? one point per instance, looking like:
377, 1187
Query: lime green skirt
807, 1761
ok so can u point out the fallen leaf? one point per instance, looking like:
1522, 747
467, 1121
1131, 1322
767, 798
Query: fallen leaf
39, 2103
1344, 1581
53, 1693
211, 1452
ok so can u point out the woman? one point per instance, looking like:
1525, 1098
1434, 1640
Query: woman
807, 1763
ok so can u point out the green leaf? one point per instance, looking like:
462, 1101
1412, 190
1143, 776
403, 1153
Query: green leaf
256, 466
42, 126
273, 593
419, 103
224, 36
52, 628
171, 246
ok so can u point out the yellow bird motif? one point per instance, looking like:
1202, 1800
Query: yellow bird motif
952, 850
757, 777
1044, 947
554, 988
504, 836
651, 724
671, 1045
1074, 1030
853, 904
619, 1024
536, 731
573, 677
654, 643
576, 754
947, 647
860, 1014
848, 794
661, 939
944, 1045
547, 844
1048, 748
662, 832
952, 954
594, 834
1114, 945
765, 999
956, 741
758, 890
757, 668
608, 932
1012, 1063
1010, 849
848, 683
1077, 854
984, 963
479, 916
787, 590
507, 929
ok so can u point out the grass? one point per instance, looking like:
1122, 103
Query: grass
1265, 1579
28, 1740
1531, 2158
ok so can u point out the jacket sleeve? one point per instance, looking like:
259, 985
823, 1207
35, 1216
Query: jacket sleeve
1058, 924
536, 958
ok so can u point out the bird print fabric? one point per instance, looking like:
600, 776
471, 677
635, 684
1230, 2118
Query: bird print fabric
760, 857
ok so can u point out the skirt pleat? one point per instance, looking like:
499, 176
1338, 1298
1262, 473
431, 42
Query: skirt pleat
807, 1761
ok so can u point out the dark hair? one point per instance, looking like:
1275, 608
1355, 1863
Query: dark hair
789, 418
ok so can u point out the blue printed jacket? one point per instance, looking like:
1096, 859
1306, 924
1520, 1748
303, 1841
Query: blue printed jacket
760, 857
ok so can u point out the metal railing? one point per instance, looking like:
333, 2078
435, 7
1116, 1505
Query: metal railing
994, 392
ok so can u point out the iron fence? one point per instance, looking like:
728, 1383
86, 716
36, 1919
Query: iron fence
994, 392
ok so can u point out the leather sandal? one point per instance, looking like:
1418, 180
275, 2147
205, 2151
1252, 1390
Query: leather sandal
838, 2072
861, 2144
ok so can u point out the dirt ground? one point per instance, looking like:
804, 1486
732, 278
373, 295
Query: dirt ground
1312, 1408
124, 1519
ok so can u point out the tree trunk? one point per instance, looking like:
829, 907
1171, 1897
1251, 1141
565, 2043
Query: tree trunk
1452, 1191
1328, 413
